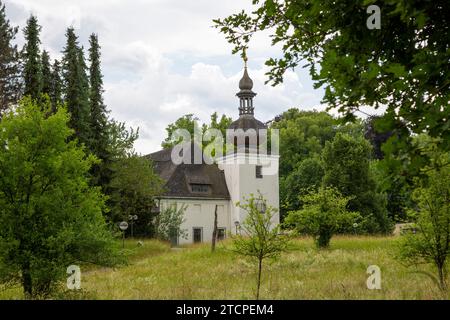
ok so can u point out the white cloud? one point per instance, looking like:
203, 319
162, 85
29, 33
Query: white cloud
162, 59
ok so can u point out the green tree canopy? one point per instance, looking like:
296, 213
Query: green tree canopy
431, 217
191, 123
56, 85
76, 88
98, 116
324, 214
10, 82
303, 135
401, 66
46, 72
133, 189
346, 163
305, 177
32, 70
50, 216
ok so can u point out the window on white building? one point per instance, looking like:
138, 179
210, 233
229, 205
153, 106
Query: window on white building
221, 233
259, 172
197, 235
200, 188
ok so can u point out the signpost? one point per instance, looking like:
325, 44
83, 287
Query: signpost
123, 226
132, 220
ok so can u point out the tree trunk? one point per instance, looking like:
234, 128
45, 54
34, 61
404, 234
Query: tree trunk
442, 282
214, 235
259, 278
26, 280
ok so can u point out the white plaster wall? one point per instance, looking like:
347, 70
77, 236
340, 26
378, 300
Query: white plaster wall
240, 175
200, 214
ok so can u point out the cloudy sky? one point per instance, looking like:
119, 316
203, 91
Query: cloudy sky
162, 59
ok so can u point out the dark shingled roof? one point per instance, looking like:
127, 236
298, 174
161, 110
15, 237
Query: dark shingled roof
246, 122
179, 177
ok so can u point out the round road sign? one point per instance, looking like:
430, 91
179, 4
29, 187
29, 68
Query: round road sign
123, 225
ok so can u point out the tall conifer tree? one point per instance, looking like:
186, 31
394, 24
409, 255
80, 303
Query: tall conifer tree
76, 88
99, 118
46, 79
10, 82
56, 85
32, 72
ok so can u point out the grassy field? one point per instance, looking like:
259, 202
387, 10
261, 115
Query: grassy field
156, 271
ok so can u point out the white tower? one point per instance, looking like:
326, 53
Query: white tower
248, 169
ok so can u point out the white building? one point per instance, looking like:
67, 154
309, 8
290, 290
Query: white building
202, 187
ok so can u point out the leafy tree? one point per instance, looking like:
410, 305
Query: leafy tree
187, 122
120, 140
399, 66
46, 73
307, 176
32, 71
133, 189
376, 138
10, 84
51, 218
76, 94
223, 124
431, 243
259, 238
324, 214
56, 87
397, 184
302, 135
99, 118
346, 162
393, 180
191, 123
169, 221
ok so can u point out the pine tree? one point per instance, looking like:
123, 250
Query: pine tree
56, 86
46, 73
10, 83
99, 118
76, 88
32, 72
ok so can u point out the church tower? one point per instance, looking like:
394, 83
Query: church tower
248, 169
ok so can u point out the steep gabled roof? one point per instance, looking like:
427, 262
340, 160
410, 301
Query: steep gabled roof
179, 178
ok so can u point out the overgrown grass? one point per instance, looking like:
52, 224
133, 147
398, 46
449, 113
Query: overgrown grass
156, 271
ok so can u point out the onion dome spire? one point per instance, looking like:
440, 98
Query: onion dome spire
246, 94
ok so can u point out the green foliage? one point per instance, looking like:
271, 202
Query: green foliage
9, 63
76, 88
169, 221
324, 214
46, 73
346, 162
50, 216
431, 243
259, 239
187, 122
307, 176
132, 191
191, 123
120, 139
399, 66
303, 135
98, 117
32, 70
56, 86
